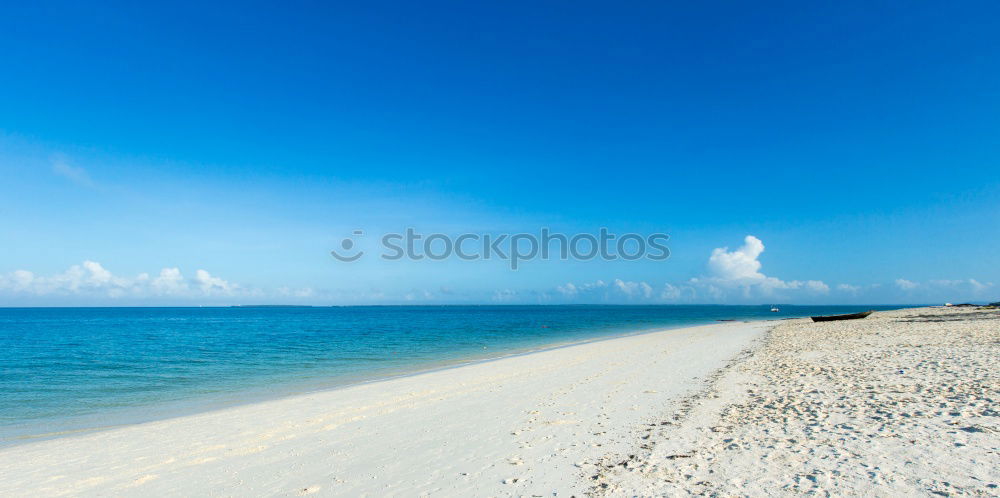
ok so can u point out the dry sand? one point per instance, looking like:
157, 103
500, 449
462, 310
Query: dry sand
903, 403
527, 425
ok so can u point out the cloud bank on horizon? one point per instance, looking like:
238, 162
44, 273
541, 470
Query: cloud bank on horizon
91, 279
732, 276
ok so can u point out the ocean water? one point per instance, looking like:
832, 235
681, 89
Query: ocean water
69, 369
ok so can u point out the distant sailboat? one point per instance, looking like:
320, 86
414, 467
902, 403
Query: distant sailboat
774, 309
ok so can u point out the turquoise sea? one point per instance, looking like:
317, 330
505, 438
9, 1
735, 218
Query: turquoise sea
71, 369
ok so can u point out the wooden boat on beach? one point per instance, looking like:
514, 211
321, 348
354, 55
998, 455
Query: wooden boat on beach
852, 316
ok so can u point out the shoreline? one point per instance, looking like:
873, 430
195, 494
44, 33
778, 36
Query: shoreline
146, 397
206, 403
509, 425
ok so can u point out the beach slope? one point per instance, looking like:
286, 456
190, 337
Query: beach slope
903, 403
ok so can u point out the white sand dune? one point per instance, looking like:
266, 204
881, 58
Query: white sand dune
528, 425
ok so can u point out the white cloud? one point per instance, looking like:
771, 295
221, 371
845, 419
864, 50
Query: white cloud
739, 270
568, 290
732, 274
289, 292
213, 285
91, 279
634, 289
572, 290
170, 282
419, 295
954, 290
979, 287
817, 286
670, 292
88, 277
504, 296
970, 286
21, 280
740, 265
601, 291
75, 174
848, 288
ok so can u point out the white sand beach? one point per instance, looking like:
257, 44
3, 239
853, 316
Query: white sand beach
526, 425
902, 403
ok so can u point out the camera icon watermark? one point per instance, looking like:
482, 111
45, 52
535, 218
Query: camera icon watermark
347, 253
514, 248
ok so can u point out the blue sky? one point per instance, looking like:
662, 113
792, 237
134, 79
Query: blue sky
856, 143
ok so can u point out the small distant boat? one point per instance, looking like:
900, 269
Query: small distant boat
774, 309
852, 316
